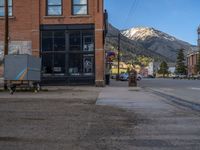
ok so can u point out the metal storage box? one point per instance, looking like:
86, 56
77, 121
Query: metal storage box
22, 68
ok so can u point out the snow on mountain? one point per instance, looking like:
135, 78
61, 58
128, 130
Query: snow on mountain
142, 33
157, 41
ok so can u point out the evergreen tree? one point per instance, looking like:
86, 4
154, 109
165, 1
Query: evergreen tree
163, 69
180, 62
198, 63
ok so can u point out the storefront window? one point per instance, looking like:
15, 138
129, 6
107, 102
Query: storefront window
88, 44
68, 53
53, 52
59, 41
81, 64
47, 41
75, 41
47, 62
59, 64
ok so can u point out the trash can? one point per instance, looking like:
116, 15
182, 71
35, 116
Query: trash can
133, 78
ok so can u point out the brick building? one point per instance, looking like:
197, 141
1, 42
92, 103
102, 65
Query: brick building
67, 34
193, 56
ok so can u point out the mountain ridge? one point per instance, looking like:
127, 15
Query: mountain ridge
148, 41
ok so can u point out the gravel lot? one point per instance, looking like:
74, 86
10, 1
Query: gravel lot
62, 119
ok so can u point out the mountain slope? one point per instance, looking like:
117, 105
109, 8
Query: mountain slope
157, 41
129, 47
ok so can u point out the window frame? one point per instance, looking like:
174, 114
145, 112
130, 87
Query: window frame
73, 5
47, 8
84, 55
9, 6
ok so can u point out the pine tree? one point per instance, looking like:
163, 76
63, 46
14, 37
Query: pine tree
163, 69
180, 63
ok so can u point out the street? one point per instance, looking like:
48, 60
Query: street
165, 118
187, 90
184, 89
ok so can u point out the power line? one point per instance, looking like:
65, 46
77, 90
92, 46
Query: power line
131, 11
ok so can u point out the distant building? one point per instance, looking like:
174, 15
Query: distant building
150, 69
192, 57
123, 68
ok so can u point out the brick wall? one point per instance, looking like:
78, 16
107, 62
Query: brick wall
28, 15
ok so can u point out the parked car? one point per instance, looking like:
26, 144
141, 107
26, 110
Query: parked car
196, 77
125, 77
139, 77
150, 76
179, 76
113, 76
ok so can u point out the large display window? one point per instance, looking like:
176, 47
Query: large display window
68, 53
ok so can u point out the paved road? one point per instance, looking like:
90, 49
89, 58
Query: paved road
162, 123
187, 90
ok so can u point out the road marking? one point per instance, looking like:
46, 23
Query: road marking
167, 89
194, 88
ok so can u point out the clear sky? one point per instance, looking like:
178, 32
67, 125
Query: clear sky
179, 18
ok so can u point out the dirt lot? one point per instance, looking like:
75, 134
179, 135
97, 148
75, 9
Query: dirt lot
62, 119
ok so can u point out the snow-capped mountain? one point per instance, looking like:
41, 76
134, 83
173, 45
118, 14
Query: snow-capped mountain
143, 33
147, 41
157, 41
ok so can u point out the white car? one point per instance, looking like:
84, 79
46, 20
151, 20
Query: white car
125, 77
139, 77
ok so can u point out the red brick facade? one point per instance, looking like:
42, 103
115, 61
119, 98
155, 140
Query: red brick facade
28, 15
192, 59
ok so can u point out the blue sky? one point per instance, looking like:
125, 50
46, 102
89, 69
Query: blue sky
179, 18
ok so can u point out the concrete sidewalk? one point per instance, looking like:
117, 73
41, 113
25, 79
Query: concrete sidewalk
160, 125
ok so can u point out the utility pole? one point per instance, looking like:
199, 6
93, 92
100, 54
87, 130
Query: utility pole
118, 57
6, 34
119, 51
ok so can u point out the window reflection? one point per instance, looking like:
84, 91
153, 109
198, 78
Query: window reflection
2, 9
54, 7
80, 7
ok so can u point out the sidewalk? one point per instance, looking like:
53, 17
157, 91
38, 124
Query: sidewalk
129, 98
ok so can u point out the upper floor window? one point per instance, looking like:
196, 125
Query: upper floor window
2, 8
80, 7
54, 7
